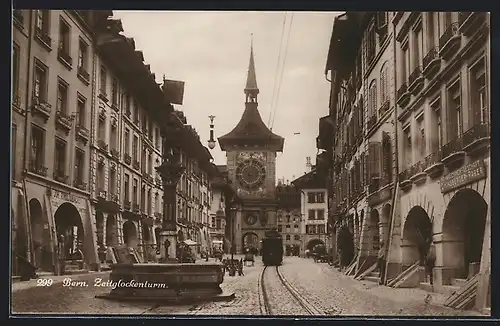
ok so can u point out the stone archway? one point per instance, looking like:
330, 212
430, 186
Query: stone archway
250, 240
70, 233
417, 233
20, 237
111, 231
464, 222
40, 235
373, 230
311, 243
346, 245
130, 234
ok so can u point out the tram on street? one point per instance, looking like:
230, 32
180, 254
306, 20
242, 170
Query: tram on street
272, 248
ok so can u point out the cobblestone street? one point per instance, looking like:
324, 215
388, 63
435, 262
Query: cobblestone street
319, 285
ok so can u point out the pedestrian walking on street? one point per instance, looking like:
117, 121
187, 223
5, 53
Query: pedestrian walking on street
430, 262
381, 262
341, 259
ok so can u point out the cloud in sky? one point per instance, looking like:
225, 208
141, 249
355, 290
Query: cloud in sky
210, 52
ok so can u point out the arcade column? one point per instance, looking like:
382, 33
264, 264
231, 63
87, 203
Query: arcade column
170, 171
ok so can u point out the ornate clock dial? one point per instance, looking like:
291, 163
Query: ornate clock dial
251, 174
250, 219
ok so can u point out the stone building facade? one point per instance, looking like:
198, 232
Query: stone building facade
126, 191
289, 220
426, 141
53, 68
313, 209
443, 61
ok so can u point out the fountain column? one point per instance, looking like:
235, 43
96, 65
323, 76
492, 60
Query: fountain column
170, 171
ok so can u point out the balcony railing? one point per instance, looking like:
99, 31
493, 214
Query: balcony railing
149, 178
44, 38
115, 153
82, 132
83, 74
128, 113
127, 204
136, 165
450, 32
384, 107
59, 176
415, 169
432, 159
481, 130
38, 168
102, 95
64, 57
102, 145
115, 198
135, 207
371, 121
64, 120
433, 54
402, 90
403, 176
452, 147
127, 158
41, 107
417, 72
78, 183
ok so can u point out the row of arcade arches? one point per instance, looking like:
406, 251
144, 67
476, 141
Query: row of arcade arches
463, 229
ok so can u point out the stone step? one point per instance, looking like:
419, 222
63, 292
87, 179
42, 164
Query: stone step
371, 278
458, 281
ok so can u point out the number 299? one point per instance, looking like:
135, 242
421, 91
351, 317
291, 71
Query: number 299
44, 282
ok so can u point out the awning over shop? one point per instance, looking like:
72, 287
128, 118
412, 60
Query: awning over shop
191, 243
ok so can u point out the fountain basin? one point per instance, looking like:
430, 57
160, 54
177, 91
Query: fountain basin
166, 283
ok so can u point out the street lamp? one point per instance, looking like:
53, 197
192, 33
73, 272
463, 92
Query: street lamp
211, 141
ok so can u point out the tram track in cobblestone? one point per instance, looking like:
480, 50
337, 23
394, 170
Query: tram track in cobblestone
265, 304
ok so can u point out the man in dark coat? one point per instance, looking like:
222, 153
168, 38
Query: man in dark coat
381, 262
430, 262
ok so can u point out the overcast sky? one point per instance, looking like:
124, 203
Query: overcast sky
210, 52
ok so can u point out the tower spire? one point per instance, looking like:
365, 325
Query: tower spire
251, 89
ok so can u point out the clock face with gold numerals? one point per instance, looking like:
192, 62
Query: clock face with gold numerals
251, 174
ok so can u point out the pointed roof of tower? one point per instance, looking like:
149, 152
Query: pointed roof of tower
251, 130
251, 76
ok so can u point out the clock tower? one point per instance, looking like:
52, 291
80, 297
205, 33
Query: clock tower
251, 149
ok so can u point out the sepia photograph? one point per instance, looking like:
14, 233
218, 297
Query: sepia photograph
250, 163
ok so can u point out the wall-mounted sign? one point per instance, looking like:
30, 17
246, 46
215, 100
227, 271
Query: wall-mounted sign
466, 174
174, 91
67, 197
380, 196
